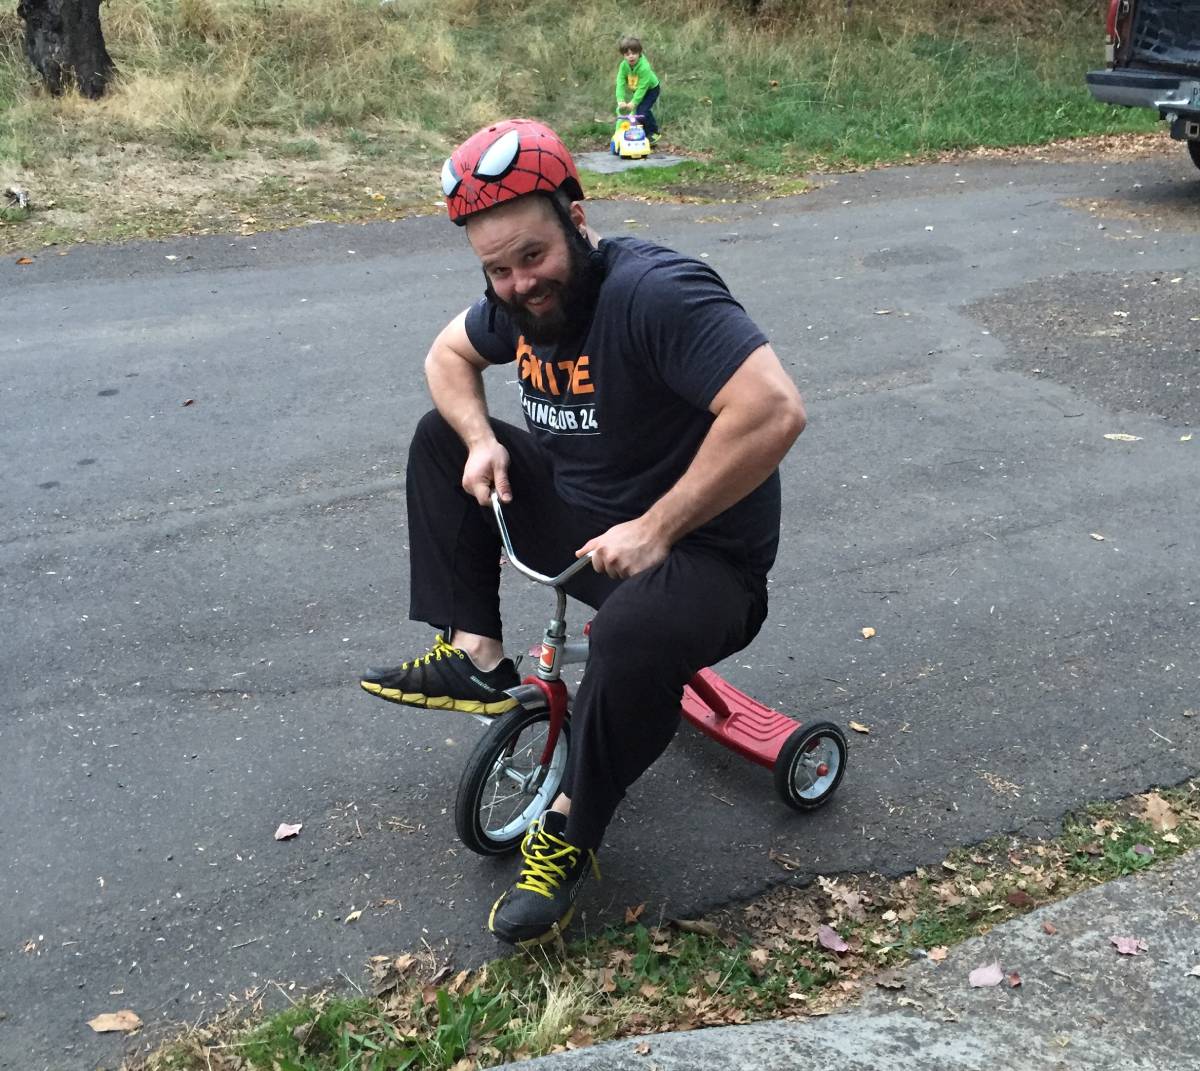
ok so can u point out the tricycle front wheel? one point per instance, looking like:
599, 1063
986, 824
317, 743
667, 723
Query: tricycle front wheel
810, 765
505, 786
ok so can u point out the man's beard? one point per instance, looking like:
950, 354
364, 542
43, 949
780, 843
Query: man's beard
574, 299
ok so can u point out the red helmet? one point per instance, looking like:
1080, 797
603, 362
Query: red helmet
503, 162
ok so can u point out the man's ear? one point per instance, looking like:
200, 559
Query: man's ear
578, 217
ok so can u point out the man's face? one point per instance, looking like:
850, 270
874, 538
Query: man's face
540, 278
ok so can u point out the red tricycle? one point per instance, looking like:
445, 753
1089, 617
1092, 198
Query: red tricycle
515, 770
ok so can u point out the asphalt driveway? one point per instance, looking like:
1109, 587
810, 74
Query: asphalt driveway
203, 538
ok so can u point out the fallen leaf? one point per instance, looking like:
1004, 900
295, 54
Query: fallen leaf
1014, 979
883, 312
189, 401
1129, 946
124, 1020
1186, 438
1170, 838
938, 954
868, 632
441, 975
1049, 929
1097, 537
758, 959
1019, 898
632, 914
24, 260
858, 727
1143, 849
1121, 437
831, 939
700, 926
650, 992
285, 830
1159, 813
354, 916
990, 974
642, 1048
1194, 972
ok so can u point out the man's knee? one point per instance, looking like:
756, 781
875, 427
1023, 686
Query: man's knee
434, 439
626, 638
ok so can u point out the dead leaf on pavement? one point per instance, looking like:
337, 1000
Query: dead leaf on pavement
1049, 929
858, 727
1121, 437
1129, 946
24, 260
124, 1020
642, 1048
785, 861
987, 975
632, 914
1097, 537
1014, 979
287, 830
354, 916
867, 632
1194, 972
938, 954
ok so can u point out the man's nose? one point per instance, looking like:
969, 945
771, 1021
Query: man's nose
524, 282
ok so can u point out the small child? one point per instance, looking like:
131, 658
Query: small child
637, 85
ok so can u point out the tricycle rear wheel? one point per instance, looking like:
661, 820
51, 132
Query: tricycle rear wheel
810, 765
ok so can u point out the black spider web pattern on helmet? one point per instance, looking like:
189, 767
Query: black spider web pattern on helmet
478, 194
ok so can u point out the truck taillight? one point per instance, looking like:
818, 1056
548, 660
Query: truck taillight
1110, 24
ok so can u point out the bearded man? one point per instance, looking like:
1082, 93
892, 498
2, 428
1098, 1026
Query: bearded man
657, 415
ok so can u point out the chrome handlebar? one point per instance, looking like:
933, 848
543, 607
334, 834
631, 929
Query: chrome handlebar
521, 567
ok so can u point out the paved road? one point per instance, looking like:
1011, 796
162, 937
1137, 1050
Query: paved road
189, 588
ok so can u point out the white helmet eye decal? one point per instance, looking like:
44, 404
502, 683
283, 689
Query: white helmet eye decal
450, 180
500, 156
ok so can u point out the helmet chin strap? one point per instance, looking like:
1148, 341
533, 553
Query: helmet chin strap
574, 235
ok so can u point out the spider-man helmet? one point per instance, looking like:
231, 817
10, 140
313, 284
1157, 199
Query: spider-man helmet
503, 162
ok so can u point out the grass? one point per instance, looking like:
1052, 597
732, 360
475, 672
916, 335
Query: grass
764, 960
342, 95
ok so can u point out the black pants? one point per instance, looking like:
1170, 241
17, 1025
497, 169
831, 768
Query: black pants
651, 632
649, 123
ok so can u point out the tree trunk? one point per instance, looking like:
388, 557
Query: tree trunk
64, 42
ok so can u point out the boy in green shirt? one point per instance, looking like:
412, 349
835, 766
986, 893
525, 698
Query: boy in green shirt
637, 85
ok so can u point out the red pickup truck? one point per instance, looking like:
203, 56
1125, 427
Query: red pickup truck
1154, 62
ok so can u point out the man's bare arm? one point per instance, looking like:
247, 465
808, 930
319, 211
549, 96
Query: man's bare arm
454, 372
759, 413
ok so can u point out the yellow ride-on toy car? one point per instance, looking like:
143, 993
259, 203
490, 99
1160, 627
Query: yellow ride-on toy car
629, 140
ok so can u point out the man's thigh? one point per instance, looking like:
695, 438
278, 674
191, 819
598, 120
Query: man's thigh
687, 613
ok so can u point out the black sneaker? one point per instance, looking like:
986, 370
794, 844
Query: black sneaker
539, 906
445, 678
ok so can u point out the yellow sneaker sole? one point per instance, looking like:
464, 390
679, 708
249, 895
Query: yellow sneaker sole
438, 702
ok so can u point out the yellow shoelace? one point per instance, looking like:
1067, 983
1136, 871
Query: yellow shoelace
547, 860
441, 649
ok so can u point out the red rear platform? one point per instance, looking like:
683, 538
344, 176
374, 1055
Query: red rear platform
731, 717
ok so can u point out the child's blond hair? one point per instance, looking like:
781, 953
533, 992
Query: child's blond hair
629, 42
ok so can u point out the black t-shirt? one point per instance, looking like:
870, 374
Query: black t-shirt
621, 411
